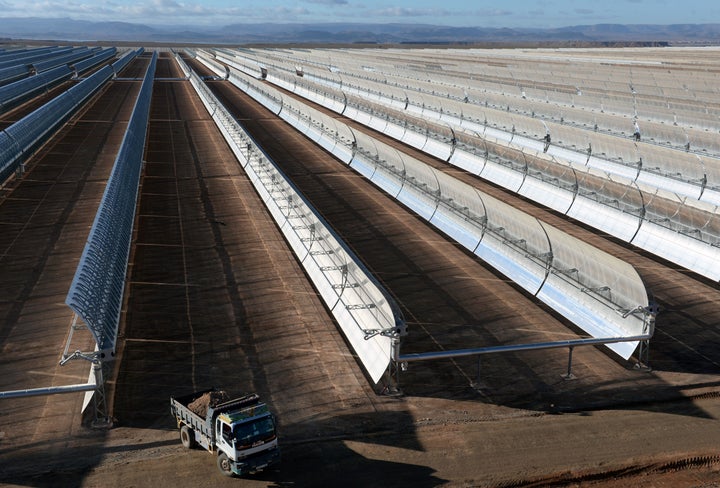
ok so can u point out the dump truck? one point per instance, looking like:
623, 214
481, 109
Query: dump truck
241, 432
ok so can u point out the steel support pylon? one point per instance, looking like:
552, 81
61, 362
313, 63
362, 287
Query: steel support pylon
101, 417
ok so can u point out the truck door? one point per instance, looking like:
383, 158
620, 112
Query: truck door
225, 438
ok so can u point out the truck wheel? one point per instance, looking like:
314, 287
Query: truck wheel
223, 464
187, 437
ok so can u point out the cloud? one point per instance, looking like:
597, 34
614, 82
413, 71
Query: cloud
329, 2
157, 8
274, 14
493, 13
411, 12
158, 12
439, 12
54, 9
288, 11
155, 11
584, 11
90, 10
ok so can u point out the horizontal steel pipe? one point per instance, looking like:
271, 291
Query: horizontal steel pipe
593, 341
51, 390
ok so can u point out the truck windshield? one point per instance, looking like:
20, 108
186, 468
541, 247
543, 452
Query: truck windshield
249, 433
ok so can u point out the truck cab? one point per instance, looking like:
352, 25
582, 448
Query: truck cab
247, 440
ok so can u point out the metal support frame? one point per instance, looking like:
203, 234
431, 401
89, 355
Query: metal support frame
392, 388
402, 360
101, 418
478, 384
345, 283
569, 375
643, 356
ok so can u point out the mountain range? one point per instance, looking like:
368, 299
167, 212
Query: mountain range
67, 29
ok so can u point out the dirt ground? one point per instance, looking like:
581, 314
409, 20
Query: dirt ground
668, 445
460, 450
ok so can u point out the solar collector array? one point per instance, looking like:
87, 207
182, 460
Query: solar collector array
30, 58
27, 134
13, 54
365, 313
514, 90
19, 91
96, 291
517, 245
75, 55
121, 63
623, 155
98, 58
13, 73
629, 221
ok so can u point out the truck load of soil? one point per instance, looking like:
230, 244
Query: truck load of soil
200, 405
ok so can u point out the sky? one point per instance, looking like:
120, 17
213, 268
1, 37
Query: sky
461, 13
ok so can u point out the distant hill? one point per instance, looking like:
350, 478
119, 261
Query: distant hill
67, 29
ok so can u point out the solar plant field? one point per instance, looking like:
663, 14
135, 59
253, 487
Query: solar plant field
439, 267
